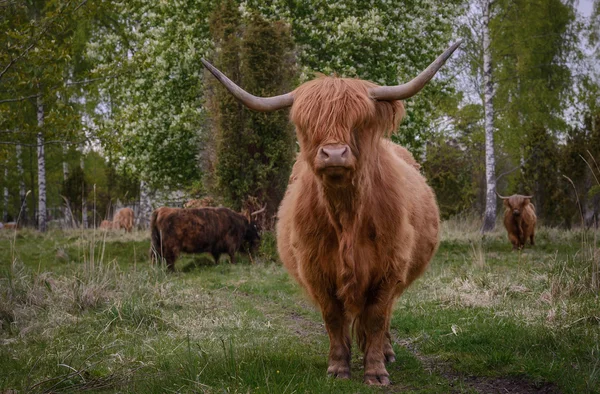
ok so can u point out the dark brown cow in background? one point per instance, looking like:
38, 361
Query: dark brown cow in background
358, 223
200, 230
123, 219
519, 220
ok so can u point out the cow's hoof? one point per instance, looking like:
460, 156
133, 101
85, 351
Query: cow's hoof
377, 380
338, 371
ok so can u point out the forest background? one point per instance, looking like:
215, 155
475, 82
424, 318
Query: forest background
106, 104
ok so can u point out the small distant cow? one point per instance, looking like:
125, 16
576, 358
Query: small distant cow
123, 219
106, 224
358, 222
9, 226
200, 230
519, 219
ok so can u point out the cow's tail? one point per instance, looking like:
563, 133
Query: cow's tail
155, 240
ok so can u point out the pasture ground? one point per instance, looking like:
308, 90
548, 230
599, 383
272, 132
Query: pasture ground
85, 311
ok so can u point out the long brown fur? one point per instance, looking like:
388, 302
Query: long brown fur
520, 228
199, 230
355, 248
123, 219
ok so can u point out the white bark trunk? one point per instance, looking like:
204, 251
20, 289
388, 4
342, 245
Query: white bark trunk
489, 219
145, 206
84, 216
21, 175
41, 167
5, 205
65, 164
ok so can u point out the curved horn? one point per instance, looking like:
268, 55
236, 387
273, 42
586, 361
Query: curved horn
259, 211
502, 197
409, 89
530, 197
262, 104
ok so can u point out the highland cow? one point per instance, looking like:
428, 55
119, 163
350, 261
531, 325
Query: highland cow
106, 224
519, 220
123, 219
358, 223
200, 230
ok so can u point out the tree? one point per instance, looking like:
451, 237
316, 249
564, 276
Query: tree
489, 219
149, 104
35, 67
254, 150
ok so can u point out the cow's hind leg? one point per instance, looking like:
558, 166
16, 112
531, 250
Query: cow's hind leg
388, 350
514, 240
232, 256
170, 258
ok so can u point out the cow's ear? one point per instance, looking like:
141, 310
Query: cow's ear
526, 202
506, 204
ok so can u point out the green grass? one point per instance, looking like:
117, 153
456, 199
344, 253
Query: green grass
86, 311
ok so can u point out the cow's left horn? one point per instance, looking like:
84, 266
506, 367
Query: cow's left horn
409, 89
262, 104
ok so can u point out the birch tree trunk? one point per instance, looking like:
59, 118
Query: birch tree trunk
5, 205
84, 216
145, 206
21, 175
489, 219
41, 167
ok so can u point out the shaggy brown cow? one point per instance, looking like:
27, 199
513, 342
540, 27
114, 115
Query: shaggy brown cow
358, 223
9, 226
106, 224
200, 230
123, 219
519, 219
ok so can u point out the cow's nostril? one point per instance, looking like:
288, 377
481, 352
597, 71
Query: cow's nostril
323, 154
345, 152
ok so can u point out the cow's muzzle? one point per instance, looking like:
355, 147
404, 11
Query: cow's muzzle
334, 155
516, 212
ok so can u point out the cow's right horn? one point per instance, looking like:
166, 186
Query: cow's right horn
502, 197
259, 211
262, 104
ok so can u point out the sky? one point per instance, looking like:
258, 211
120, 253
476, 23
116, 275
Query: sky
585, 7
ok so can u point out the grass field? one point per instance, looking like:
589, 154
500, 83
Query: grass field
85, 311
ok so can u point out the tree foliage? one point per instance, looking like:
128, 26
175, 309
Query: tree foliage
254, 150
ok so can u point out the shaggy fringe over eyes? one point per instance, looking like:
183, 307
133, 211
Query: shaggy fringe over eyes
326, 109
515, 201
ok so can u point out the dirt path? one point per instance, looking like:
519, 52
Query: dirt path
479, 384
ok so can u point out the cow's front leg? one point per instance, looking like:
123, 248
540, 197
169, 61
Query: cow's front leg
373, 334
337, 325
